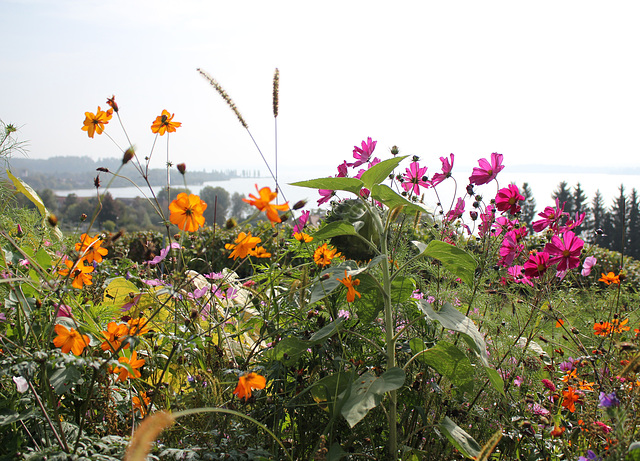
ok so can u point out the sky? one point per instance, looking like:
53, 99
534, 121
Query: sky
545, 83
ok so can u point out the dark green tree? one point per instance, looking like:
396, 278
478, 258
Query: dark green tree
633, 232
618, 223
49, 199
596, 220
217, 200
580, 205
563, 195
528, 212
239, 208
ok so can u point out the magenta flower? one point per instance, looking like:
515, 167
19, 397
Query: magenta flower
457, 211
302, 221
486, 172
447, 166
414, 178
325, 195
588, 264
565, 251
163, 254
536, 265
509, 249
516, 274
486, 220
573, 223
362, 154
508, 199
342, 170
550, 218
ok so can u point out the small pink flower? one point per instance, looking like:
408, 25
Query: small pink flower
457, 211
588, 264
342, 169
447, 166
414, 178
325, 195
510, 249
302, 221
549, 385
362, 154
550, 218
508, 199
487, 172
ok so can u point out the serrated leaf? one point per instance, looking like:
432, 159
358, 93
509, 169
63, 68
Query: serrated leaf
367, 392
380, 171
455, 260
346, 184
459, 438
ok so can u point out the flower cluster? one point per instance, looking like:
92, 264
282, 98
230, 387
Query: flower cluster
90, 252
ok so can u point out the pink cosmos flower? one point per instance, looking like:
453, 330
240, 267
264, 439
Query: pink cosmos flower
537, 264
414, 178
302, 221
573, 223
588, 264
508, 199
362, 154
447, 166
486, 220
325, 195
549, 385
550, 218
565, 251
516, 274
486, 172
457, 211
163, 254
509, 249
342, 170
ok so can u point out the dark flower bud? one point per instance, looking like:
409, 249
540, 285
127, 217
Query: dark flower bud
299, 204
19, 232
83, 217
96, 182
231, 223
470, 189
476, 204
103, 169
112, 103
415, 158
478, 198
395, 151
181, 168
128, 155
474, 215
52, 220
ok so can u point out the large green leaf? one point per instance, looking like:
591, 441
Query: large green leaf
65, 378
401, 289
334, 229
347, 184
379, 172
8, 416
452, 319
367, 392
327, 389
289, 349
459, 438
457, 261
495, 379
387, 196
447, 360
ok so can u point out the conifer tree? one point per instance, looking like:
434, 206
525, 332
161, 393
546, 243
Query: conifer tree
563, 195
579, 202
528, 212
633, 233
618, 223
596, 220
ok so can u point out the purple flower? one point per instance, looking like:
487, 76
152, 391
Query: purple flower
344, 314
447, 166
214, 275
588, 264
509, 198
567, 365
414, 178
362, 154
608, 400
590, 456
417, 294
62, 310
486, 172
163, 254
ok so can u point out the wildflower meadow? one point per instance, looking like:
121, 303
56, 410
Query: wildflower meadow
396, 323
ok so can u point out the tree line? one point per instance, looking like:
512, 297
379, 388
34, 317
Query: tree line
616, 227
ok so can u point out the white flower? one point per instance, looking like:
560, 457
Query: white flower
21, 384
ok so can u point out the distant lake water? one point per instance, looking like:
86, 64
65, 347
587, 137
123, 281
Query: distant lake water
542, 185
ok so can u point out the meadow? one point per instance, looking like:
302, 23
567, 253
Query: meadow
387, 330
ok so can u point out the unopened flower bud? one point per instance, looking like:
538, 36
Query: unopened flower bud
52, 220
231, 223
103, 169
415, 158
83, 217
20, 232
181, 168
96, 182
474, 215
128, 155
395, 151
470, 189
299, 204
112, 103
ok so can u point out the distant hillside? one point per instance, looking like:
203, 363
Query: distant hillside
62, 173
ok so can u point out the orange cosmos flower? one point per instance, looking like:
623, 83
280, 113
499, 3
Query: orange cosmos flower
94, 123
610, 278
602, 329
263, 203
70, 340
323, 255
138, 326
141, 405
302, 237
163, 124
557, 431
248, 382
351, 291
186, 212
569, 399
79, 272
619, 327
259, 252
244, 244
134, 363
112, 336
90, 248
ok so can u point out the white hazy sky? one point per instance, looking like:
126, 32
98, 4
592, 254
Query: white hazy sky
545, 82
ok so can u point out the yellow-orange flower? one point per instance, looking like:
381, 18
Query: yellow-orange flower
350, 284
602, 329
90, 248
243, 245
569, 399
260, 252
70, 340
79, 272
323, 255
248, 382
112, 336
94, 123
302, 237
619, 327
263, 203
163, 123
138, 326
134, 363
610, 278
141, 405
557, 431
186, 212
